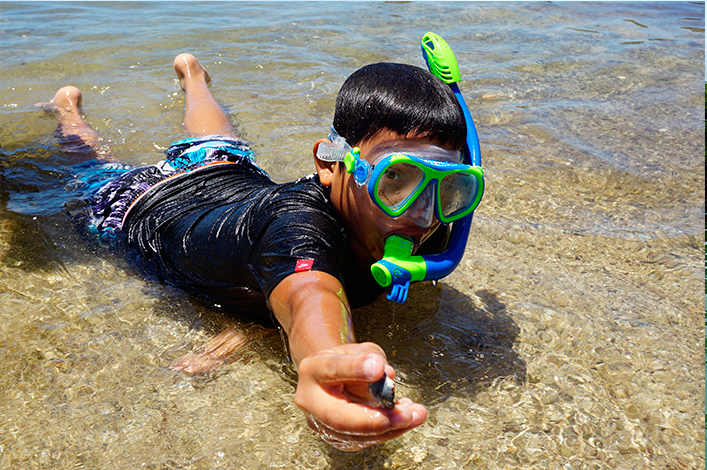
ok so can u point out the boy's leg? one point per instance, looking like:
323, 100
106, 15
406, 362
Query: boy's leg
75, 135
202, 115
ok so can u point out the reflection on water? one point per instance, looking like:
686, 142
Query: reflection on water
569, 337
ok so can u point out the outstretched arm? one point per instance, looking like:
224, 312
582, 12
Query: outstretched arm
334, 371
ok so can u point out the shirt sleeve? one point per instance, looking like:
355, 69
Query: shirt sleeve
302, 233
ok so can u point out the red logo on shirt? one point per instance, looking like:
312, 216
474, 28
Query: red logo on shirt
304, 265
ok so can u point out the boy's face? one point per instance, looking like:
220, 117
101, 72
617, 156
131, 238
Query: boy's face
366, 224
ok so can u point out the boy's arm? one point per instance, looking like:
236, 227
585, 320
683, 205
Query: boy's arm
334, 371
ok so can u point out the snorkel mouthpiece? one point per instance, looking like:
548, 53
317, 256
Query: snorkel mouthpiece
399, 267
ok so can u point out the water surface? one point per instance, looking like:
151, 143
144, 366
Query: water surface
570, 337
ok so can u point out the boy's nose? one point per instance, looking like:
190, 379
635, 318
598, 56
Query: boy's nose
422, 212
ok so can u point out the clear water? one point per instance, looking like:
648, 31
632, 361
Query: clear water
570, 337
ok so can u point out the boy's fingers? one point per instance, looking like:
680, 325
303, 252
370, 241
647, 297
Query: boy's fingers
330, 383
331, 366
344, 368
360, 419
352, 438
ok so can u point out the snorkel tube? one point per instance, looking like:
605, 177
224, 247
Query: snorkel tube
398, 267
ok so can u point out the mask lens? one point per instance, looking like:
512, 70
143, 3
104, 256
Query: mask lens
397, 183
457, 193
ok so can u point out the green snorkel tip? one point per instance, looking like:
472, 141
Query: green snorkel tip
440, 58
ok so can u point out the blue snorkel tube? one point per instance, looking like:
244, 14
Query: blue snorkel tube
398, 267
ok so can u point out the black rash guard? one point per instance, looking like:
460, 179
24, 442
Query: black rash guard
229, 234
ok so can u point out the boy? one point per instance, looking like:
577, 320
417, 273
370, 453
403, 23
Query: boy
215, 224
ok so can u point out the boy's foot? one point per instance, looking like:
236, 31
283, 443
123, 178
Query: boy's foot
187, 67
75, 136
66, 101
202, 114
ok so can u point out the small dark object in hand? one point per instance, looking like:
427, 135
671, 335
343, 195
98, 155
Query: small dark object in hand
383, 391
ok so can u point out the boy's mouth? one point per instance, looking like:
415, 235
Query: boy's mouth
414, 234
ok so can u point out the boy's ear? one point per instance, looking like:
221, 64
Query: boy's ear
325, 170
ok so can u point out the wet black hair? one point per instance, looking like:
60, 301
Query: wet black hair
402, 98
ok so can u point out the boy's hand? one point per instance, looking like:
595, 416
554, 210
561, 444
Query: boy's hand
333, 392
334, 371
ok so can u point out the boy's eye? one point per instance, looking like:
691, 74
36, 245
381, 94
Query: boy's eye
392, 174
398, 182
405, 173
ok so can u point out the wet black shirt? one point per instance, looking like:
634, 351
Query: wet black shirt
229, 234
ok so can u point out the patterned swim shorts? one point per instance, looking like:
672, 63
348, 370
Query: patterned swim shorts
116, 195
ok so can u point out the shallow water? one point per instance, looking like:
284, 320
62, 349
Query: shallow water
570, 337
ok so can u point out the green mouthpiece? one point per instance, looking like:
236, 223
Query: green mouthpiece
398, 264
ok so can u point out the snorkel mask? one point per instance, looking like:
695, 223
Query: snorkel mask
396, 181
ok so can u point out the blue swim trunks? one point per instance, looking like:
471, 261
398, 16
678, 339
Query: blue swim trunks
119, 186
